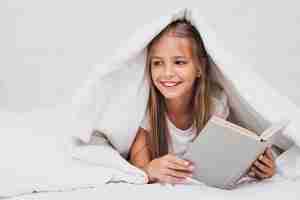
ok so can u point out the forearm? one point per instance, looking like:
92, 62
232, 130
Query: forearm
141, 160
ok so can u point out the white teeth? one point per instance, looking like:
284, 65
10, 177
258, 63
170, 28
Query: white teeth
169, 84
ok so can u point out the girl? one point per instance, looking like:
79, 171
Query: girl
182, 99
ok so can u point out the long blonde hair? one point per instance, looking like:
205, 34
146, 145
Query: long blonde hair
158, 140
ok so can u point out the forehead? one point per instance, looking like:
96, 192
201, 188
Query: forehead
170, 46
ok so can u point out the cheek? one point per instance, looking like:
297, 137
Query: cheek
155, 73
188, 74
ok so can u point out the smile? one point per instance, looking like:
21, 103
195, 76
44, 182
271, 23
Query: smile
169, 83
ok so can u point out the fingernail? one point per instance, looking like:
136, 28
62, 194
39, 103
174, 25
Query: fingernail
186, 163
260, 157
191, 167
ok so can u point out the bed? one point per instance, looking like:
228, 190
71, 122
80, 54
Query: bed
283, 189
38, 161
93, 182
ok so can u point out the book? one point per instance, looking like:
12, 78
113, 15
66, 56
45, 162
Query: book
223, 151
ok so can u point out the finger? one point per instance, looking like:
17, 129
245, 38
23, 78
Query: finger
190, 162
178, 161
262, 167
269, 153
259, 174
175, 166
268, 170
266, 161
178, 174
172, 179
251, 174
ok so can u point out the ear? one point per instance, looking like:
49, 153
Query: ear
198, 73
203, 62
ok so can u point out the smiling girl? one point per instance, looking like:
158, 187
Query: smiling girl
182, 99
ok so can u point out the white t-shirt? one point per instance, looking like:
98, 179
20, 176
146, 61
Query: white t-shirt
181, 138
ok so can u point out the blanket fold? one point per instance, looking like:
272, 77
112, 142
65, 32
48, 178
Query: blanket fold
113, 99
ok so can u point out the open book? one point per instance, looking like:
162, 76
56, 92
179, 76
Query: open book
223, 152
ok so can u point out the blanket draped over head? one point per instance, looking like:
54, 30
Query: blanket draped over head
113, 100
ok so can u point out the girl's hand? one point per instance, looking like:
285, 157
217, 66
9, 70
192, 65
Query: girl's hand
264, 166
169, 169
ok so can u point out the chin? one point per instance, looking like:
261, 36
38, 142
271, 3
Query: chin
171, 95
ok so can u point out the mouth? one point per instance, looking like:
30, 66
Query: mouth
169, 84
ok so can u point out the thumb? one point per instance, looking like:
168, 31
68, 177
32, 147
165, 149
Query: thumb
269, 153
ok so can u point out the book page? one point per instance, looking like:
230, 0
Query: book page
240, 129
274, 129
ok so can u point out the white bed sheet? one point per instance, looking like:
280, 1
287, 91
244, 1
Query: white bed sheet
278, 187
275, 188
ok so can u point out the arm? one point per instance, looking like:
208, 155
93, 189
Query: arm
139, 153
167, 168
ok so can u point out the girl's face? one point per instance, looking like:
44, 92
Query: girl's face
173, 67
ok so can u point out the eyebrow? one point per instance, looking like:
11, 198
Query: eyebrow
152, 57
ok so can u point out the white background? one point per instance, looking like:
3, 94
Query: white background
48, 47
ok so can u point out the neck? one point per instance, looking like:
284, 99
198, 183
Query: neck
178, 107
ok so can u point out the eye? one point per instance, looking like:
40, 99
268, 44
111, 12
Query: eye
180, 62
156, 63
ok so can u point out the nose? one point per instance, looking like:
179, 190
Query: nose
169, 71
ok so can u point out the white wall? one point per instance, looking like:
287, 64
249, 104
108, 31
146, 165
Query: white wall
47, 47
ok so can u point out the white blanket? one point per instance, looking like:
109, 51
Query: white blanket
35, 156
113, 99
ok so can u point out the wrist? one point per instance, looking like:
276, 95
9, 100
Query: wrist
151, 179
